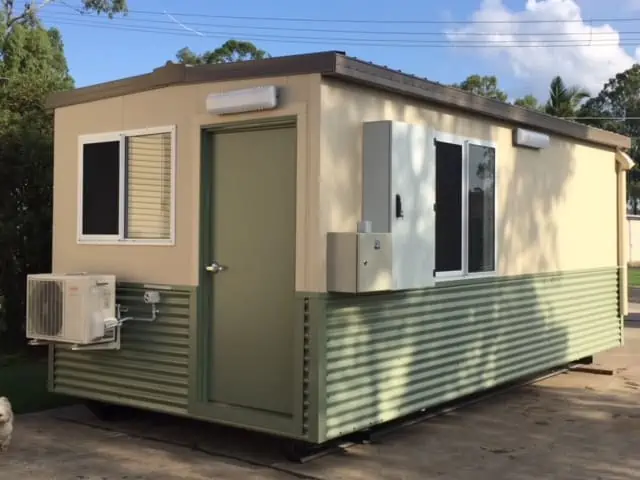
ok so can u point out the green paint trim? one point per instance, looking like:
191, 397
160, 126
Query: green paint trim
250, 125
200, 331
298, 366
194, 368
247, 419
318, 368
51, 354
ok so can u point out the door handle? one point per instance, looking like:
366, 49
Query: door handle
215, 267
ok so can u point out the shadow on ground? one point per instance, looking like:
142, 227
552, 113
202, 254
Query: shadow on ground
45, 447
573, 425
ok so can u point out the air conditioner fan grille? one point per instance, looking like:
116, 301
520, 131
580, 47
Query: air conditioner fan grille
46, 307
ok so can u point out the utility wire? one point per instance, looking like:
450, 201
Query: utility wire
601, 118
125, 20
531, 41
372, 21
65, 19
374, 42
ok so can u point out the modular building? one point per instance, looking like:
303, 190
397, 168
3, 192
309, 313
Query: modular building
335, 244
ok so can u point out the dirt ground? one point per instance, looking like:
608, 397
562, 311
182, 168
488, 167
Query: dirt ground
570, 426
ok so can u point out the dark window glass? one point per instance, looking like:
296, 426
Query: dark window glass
481, 228
448, 207
100, 188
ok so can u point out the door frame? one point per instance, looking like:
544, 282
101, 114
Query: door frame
200, 332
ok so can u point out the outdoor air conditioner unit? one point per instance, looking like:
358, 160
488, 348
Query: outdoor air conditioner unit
77, 309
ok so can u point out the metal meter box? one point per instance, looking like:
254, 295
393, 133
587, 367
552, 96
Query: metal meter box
359, 262
399, 196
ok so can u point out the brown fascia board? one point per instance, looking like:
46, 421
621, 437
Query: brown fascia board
173, 74
338, 65
354, 70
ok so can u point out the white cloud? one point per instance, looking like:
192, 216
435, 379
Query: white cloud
590, 56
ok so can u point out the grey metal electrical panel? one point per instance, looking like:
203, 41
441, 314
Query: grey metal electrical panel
359, 262
398, 196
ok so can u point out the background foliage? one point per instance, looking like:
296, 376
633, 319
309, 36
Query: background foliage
615, 108
32, 65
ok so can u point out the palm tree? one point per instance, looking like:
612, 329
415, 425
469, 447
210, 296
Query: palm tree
563, 100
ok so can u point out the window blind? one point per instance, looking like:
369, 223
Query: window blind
148, 194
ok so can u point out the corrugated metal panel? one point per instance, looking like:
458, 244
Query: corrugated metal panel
149, 186
390, 355
151, 369
306, 366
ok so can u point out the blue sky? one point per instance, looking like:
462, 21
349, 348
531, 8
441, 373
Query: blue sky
102, 50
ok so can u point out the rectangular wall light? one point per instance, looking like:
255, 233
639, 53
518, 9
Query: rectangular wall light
244, 100
531, 139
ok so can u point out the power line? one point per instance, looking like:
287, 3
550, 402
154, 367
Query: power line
589, 35
601, 118
373, 42
372, 21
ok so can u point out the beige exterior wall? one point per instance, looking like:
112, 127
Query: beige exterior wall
183, 106
556, 207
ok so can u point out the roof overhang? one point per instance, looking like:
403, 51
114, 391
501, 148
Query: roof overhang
337, 65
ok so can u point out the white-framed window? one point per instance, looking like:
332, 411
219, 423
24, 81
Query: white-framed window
126, 187
466, 207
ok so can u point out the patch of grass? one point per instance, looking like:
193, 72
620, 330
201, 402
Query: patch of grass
23, 379
634, 277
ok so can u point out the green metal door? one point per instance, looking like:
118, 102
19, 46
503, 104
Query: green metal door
253, 272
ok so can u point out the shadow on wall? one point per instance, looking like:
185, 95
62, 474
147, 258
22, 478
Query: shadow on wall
389, 355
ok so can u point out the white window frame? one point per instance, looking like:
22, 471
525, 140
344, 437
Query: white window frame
120, 238
465, 142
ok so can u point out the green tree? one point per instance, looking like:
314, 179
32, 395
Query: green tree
27, 13
486, 85
616, 108
230, 51
564, 100
528, 101
32, 65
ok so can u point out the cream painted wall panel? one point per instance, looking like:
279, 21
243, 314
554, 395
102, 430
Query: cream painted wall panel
183, 106
556, 208
307, 245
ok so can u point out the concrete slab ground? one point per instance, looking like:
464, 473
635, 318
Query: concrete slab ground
571, 426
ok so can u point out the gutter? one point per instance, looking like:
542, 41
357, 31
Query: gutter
623, 165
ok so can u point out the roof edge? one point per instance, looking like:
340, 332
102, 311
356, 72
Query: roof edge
376, 76
338, 65
163, 76
172, 74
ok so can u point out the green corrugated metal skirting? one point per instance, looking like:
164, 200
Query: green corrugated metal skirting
390, 355
372, 358
151, 369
